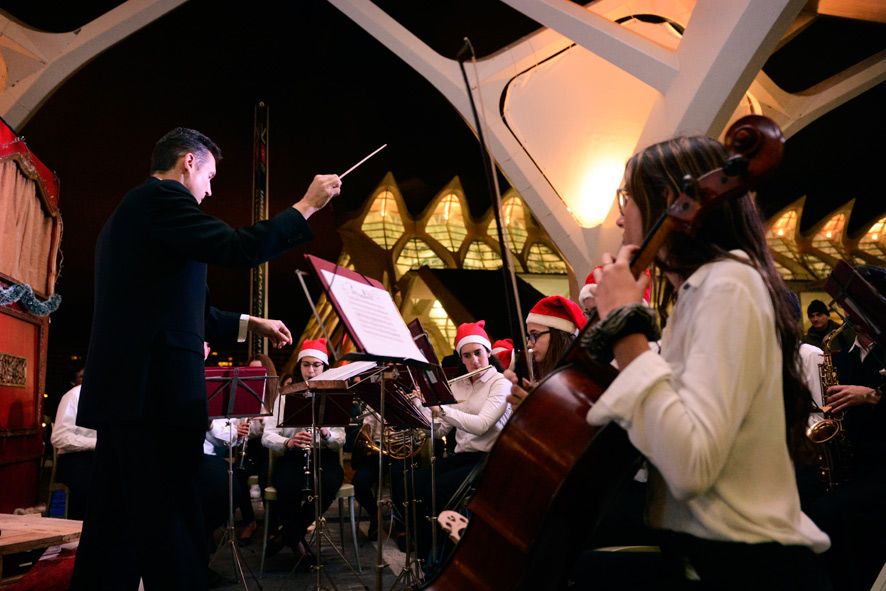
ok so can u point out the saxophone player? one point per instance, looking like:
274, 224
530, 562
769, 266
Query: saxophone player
854, 513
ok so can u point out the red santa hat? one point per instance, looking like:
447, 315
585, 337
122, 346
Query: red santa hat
504, 350
587, 291
315, 348
471, 332
558, 312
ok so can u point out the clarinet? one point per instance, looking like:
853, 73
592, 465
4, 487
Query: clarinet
242, 463
308, 490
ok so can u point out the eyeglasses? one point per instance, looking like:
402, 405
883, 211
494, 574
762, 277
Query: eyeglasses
315, 365
622, 196
534, 336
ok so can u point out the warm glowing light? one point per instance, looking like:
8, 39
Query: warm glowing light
446, 211
875, 236
780, 232
384, 204
45, 395
829, 235
43, 425
597, 190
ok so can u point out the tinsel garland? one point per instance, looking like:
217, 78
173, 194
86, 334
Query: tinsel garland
20, 291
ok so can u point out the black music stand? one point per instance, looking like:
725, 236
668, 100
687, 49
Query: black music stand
236, 393
439, 394
314, 404
865, 307
374, 324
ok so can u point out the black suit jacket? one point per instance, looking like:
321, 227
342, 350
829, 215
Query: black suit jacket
152, 312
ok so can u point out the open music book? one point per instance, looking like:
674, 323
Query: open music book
367, 310
344, 372
374, 323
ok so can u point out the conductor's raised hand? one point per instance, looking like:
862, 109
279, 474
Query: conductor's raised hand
323, 188
274, 330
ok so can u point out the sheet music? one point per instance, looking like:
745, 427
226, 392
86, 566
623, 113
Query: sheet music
344, 372
374, 318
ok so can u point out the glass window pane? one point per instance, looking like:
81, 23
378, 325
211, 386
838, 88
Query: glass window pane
481, 256
542, 259
415, 254
383, 223
514, 218
447, 224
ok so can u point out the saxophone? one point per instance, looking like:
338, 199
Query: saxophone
827, 425
826, 429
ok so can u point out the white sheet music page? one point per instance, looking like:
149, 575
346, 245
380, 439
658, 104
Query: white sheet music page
344, 372
374, 318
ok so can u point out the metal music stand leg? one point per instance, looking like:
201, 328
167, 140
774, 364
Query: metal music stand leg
379, 559
319, 521
230, 537
433, 559
411, 575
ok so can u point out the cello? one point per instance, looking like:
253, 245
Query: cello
549, 466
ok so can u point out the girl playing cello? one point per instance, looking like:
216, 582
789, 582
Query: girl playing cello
719, 413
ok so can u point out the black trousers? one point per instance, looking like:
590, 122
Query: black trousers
75, 471
450, 474
256, 463
854, 516
719, 566
296, 511
365, 477
212, 485
144, 518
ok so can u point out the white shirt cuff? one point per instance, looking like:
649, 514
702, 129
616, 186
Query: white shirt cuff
244, 326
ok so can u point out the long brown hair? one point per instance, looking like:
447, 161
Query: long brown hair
654, 178
559, 342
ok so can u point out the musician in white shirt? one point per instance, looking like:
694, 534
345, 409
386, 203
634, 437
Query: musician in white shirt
293, 486
76, 452
479, 416
718, 413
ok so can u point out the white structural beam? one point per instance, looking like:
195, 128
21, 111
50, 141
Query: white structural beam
643, 59
793, 112
723, 48
691, 84
36, 63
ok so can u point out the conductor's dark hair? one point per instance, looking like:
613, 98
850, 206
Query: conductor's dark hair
179, 142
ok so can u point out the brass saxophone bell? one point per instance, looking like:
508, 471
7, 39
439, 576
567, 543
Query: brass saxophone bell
823, 429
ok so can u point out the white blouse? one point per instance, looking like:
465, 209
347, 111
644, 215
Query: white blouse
481, 412
709, 416
67, 437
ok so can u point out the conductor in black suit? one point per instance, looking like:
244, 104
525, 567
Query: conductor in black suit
144, 390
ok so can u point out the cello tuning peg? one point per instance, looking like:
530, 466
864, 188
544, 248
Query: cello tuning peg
736, 166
